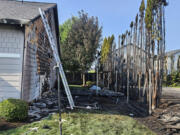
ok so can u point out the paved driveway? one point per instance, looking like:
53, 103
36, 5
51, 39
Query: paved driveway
170, 91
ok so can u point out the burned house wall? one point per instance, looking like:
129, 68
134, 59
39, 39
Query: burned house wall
38, 59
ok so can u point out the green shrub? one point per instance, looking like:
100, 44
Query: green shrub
14, 110
89, 83
172, 79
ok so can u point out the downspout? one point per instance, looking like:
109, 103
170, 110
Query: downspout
22, 78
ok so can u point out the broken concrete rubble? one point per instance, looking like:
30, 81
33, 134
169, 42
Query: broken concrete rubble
49, 102
43, 107
171, 117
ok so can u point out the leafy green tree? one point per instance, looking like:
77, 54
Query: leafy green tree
67, 52
64, 29
68, 57
83, 41
173, 79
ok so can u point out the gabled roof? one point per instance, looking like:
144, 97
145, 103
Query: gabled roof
170, 53
125, 46
18, 12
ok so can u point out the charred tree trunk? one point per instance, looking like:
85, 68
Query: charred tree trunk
84, 79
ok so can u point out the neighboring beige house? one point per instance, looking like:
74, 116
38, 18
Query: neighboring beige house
26, 58
172, 61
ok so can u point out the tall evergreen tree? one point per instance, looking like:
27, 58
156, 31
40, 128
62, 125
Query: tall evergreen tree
142, 8
106, 50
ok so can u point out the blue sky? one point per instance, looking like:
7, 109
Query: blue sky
116, 15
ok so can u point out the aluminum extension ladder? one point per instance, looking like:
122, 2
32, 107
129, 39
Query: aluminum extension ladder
56, 56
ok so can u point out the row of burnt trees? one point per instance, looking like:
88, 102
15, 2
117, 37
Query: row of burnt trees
137, 65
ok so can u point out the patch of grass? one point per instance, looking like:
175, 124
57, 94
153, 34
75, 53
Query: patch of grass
92, 71
78, 87
84, 123
175, 86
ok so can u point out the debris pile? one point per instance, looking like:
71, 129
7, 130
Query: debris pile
109, 93
48, 103
171, 118
43, 107
103, 93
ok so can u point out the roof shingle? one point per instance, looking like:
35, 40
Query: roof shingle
21, 13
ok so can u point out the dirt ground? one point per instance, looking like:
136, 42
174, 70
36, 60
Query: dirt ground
159, 126
169, 106
153, 122
4, 125
157, 122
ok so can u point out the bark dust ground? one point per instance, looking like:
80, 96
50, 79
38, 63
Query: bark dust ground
157, 122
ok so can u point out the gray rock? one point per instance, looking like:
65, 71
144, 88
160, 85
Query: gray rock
34, 115
33, 108
44, 112
40, 105
45, 106
53, 110
50, 104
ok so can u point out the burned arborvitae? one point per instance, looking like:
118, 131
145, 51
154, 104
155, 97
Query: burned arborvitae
141, 54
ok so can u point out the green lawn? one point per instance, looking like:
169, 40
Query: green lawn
176, 87
84, 123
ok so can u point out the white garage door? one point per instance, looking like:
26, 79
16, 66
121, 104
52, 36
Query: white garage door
11, 50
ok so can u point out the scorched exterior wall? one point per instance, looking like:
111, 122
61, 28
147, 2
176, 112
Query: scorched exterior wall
38, 70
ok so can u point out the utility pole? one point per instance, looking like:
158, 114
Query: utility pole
97, 73
97, 77
59, 98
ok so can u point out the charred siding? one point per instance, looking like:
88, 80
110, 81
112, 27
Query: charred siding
38, 58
